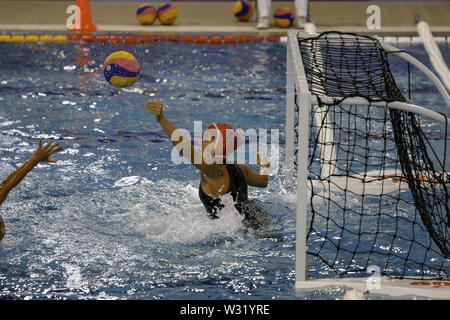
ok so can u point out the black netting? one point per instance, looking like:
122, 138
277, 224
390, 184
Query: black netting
378, 186
348, 65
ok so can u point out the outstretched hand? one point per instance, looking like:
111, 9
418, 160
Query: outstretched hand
43, 153
263, 164
155, 107
262, 161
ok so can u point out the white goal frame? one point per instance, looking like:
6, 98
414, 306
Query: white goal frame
297, 87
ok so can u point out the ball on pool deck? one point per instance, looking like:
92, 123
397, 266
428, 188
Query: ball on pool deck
121, 69
283, 17
146, 14
243, 10
167, 14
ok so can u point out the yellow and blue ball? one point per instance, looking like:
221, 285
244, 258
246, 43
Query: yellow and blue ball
283, 17
243, 10
167, 14
146, 14
121, 69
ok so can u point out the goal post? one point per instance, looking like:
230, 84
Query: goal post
370, 188
297, 92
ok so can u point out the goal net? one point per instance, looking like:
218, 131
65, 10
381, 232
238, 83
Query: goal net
375, 165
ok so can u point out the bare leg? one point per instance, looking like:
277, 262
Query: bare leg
301, 8
263, 12
264, 8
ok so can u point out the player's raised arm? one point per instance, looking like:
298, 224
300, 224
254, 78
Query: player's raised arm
42, 153
181, 142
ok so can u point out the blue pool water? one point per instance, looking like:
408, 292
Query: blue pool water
114, 218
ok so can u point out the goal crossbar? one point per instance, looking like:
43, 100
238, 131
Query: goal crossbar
393, 105
294, 48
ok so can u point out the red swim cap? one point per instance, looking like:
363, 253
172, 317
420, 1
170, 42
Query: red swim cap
226, 135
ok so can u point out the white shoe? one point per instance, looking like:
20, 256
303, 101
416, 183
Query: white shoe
263, 23
301, 21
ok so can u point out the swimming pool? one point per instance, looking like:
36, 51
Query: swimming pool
114, 218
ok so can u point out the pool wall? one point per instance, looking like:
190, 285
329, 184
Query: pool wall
397, 17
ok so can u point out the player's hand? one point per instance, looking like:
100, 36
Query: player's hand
43, 153
263, 164
155, 107
262, 161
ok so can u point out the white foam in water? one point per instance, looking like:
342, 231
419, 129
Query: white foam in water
74, 278
8, 123
69, 68
171, 212
127, 181
69, 151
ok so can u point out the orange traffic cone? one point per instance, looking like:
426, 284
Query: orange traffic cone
84, 15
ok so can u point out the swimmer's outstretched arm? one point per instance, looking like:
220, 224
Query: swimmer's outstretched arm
183, 145
42, 153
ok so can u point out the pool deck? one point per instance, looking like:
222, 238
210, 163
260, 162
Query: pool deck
197, 17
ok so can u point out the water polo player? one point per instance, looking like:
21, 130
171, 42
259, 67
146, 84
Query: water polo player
217, 178
42, 153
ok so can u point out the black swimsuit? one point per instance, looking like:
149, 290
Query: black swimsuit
239, 191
